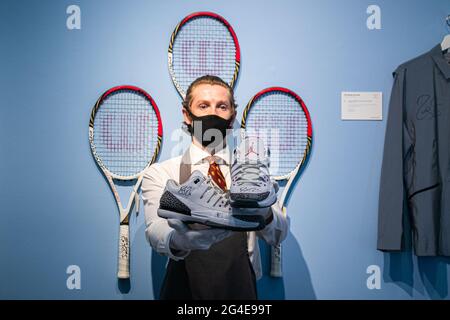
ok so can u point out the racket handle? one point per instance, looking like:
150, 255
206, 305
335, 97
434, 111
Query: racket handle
275, 270
124, 252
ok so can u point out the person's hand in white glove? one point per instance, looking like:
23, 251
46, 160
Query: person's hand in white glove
185, 239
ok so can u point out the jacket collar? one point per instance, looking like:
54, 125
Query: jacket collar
438, 57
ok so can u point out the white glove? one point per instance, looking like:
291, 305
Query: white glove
184, 238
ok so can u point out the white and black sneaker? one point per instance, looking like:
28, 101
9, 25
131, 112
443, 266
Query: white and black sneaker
199, 200
251, 185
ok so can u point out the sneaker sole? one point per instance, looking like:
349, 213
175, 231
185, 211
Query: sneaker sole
215, 224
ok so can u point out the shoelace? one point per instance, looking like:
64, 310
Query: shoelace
249, 173
216, 191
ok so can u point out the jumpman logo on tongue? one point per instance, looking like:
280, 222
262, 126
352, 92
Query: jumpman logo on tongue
251, 150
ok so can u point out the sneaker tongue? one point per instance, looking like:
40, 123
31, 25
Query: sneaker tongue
251, 149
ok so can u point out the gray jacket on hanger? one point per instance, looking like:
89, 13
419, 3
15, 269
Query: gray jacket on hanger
416, 163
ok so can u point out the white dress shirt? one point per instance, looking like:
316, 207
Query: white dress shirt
158, 230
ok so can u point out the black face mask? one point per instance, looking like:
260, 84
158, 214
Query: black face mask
210, 130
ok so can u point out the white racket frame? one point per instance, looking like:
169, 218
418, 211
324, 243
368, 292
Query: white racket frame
124, 213
276, 253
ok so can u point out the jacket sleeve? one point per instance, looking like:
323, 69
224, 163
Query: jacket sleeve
392, 189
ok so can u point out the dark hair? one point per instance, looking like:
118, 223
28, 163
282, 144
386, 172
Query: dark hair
212, 80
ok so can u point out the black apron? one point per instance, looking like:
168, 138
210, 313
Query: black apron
223, 272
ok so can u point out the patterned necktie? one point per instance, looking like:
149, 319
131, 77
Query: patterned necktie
215, 173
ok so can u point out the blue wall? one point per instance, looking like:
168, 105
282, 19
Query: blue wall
57, 209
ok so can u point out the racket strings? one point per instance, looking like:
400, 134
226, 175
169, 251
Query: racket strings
279, 119
203, 45
125, 132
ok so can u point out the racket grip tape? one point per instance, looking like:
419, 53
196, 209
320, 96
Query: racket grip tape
124, 252
275, 270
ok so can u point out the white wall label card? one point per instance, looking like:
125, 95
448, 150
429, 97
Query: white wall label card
361, 106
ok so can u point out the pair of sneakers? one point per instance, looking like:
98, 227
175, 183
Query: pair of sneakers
200, 200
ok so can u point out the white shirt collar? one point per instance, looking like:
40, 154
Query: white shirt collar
197, 154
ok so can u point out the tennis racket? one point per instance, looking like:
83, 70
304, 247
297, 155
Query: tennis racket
125, 134
203, 43
280, 118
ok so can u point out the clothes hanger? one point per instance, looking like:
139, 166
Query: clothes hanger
445, 45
